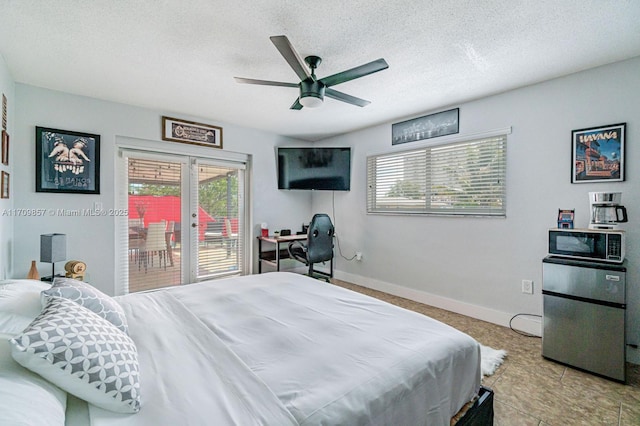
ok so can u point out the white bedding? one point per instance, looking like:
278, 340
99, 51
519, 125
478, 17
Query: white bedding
280, 348
188, 375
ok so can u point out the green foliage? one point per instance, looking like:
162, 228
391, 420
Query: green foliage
406, 189
214, 198
149, 189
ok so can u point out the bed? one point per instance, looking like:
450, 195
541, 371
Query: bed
271, 349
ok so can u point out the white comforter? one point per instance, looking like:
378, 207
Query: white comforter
280, 349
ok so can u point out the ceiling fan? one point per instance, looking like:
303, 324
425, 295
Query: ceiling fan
312, 89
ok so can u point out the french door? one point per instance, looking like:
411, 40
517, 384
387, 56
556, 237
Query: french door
186, 219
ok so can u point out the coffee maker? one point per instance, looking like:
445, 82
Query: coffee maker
606, 211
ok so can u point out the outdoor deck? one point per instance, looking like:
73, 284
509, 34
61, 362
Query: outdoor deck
213, 259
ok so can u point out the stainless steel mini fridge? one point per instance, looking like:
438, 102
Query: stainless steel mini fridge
584, 306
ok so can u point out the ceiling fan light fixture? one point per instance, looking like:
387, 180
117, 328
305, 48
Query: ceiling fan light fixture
311, 101
311, 93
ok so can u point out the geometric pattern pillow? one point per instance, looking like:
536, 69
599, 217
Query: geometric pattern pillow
89, 297
82, 353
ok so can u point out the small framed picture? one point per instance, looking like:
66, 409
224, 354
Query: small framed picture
67, 161
5, 148
4, 185
597, 154
176, 130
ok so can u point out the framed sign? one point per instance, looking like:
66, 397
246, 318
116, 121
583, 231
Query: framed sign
4, 185
430, 126
5, 148
67, 161
177, 130
597, 154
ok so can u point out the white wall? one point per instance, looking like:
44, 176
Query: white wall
7, 87
92, 239
475, 265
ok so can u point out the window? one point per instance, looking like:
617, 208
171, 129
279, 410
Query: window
458, 178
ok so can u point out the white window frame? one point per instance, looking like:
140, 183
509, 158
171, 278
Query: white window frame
439, 174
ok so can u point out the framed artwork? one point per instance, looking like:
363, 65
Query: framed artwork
67, 161
177, 130
426, 127
5, 148
4, 185
4, 112
597, 154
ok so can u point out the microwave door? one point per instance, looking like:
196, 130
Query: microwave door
575, 245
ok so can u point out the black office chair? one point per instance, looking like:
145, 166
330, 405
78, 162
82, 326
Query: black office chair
319, 246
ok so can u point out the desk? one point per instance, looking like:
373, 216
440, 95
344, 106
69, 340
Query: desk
273, 257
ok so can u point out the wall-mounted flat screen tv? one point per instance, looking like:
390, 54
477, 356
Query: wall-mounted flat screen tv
326, 169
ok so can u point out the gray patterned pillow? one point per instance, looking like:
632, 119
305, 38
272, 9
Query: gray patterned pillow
83, 354
91, 298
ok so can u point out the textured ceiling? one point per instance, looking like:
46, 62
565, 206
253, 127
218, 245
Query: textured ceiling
181, 56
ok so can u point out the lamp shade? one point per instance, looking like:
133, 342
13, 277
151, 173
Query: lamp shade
53, 247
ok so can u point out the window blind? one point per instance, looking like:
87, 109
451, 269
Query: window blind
459, 178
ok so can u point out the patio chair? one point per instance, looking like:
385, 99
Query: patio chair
231, 238
155, 242
213, 233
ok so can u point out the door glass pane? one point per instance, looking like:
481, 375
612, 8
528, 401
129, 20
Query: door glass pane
220, 211
154, 244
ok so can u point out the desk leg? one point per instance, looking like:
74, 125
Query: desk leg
278, 256
331, 267
259, 255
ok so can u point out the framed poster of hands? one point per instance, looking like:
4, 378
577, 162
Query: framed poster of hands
67, 161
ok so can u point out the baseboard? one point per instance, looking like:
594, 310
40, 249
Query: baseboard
525, 324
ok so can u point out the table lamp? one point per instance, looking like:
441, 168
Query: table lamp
53, 248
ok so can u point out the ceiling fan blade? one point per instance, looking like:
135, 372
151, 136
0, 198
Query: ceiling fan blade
331, 93
357, 72
291, 56
296, 104
263, 82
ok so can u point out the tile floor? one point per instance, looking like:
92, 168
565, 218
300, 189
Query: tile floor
530, 390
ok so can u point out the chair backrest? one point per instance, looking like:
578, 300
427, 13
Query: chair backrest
156, 236
229, 229
320, 239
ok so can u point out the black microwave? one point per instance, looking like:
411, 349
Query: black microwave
603, 245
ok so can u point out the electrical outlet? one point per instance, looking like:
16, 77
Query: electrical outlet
527, 286
358, 255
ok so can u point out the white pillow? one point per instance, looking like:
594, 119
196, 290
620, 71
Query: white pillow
83, 354
91, 298
25, 397
19, 304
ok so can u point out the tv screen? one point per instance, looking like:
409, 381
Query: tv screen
314, 168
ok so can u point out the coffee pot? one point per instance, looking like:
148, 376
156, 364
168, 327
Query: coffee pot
606, 211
